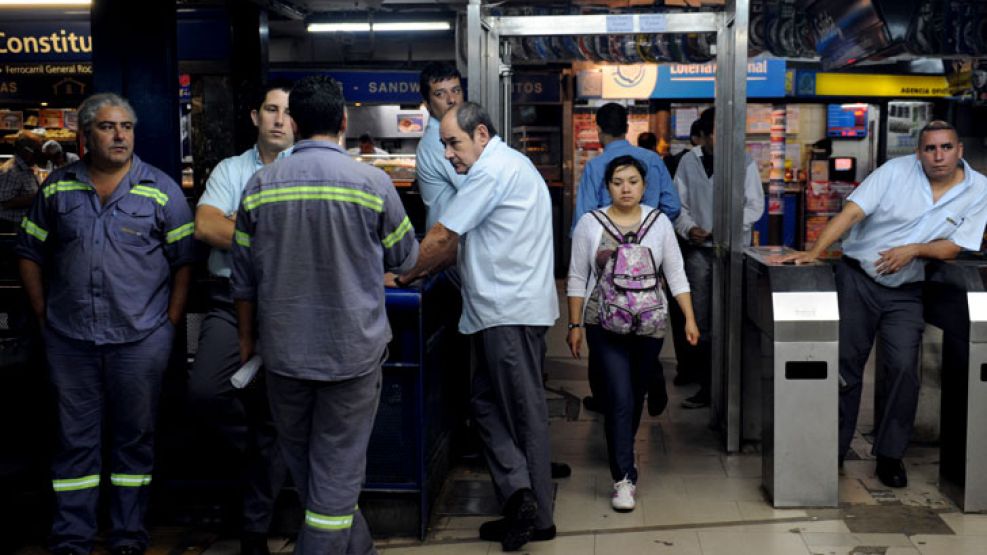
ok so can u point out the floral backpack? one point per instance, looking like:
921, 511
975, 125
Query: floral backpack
631, 301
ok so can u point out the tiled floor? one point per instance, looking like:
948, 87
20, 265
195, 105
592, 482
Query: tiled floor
693, 498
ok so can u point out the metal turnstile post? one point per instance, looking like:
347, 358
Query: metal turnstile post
791, 353
955, 298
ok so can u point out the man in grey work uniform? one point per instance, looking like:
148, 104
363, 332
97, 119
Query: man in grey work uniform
503, 212
242, 420
314, 235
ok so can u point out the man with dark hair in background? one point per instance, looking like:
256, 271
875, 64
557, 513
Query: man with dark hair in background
18, 185
440, 87
912, 209
314, 235
242, 419
503, 213
648, 141
104, 257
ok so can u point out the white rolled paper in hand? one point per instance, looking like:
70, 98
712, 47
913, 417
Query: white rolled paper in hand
246, 373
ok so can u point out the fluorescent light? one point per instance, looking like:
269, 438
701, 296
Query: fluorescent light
412, 26
338, 27
43, 3
380, 27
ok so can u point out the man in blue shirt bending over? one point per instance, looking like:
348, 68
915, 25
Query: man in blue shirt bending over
927, 206
660, 192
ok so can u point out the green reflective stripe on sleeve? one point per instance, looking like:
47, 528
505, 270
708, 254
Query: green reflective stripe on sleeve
33, 229
326, 522
180, 232
242, 238
74, 484
130, 480
397, 234
62, 186
151, 193
314, 192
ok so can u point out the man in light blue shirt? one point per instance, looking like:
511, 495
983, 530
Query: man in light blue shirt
438, 181
611, 122
914, 208
503, 211
211, 394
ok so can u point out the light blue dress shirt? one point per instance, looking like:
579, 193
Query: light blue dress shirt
504, 215
897, 199
593, 192
437, 179
223, 190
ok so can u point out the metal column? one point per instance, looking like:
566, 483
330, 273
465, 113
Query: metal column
731, 101
728, 210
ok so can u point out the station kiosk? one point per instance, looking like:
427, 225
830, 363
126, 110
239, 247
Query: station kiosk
955, 299
790, 376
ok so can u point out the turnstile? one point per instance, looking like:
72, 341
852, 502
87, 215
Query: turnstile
790, 375
955, 298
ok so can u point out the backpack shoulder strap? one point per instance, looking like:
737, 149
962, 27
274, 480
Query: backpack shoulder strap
608, 225
647, 224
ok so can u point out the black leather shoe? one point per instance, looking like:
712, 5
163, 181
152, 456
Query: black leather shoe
519, 512
697, 401
493, 531
657, 398
891, 472
127, 550
592, 404
254, 543
560, 470
683, 379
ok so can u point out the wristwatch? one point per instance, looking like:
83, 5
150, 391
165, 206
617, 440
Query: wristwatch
573, 326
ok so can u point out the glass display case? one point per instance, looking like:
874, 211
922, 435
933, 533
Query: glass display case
543, 145
401, 167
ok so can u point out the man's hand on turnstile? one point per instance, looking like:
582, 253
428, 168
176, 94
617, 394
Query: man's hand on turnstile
798, 257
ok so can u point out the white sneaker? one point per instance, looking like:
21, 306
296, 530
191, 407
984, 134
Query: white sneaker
622, 499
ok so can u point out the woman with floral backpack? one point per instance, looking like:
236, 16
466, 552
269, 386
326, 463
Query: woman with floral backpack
615, 294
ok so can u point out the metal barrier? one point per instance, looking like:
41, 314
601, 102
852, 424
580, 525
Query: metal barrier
790, 377
955, 298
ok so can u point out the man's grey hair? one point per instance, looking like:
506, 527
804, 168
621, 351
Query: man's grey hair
96, 102
469, 115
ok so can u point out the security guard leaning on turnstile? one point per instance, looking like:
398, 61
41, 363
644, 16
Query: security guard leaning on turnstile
927, 206
104, 254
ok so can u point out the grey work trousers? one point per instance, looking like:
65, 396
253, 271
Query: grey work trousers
324, 429
511, 413
869, 310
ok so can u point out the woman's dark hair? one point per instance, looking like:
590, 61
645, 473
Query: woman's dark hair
620, 162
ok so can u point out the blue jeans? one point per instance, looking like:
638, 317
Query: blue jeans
628, 365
